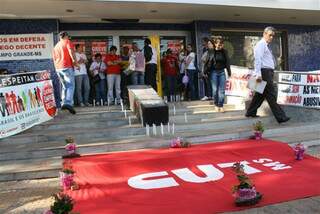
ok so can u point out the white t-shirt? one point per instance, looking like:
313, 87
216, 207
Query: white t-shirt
98, 68
192, 57
81, 70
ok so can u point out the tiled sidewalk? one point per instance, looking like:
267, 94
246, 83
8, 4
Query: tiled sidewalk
34, 196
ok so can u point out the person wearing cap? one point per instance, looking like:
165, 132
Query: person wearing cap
64, 61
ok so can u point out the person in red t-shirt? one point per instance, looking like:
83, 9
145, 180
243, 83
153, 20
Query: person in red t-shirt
113, 70
64, 61
171, 67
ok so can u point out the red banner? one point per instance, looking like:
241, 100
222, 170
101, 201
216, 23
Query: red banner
99, 47
194, 180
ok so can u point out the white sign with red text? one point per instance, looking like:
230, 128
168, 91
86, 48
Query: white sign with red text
236, 85
299, 89
26, 46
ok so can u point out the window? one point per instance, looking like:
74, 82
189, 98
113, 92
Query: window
240, 45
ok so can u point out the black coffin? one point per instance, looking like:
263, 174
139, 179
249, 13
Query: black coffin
154, 113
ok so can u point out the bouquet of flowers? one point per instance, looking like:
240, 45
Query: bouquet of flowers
70, 148
63, 204
245, 191
179, 143
299, 151
258, 130
66, 178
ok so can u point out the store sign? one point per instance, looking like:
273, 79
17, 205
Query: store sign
236, 85
299, 89
26, 47
25, 100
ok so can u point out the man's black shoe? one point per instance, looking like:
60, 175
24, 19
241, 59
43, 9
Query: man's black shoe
69, 108
286, 119
247, 115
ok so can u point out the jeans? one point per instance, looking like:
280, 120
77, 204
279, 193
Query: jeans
171, 82
191, 84
137, 78
114, 80
82, 87
101, 91
150, 77
218, 83
66, 77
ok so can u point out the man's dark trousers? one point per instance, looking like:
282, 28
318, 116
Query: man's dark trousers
150, 76
269, 94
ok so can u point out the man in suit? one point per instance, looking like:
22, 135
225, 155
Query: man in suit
264, 63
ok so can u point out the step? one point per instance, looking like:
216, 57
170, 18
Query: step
30, 169
144, 142
112, 133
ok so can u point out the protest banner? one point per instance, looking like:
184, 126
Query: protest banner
236, 85
299, 89
26, 99
26, 46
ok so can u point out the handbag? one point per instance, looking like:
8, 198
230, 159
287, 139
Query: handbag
97, 78
185, 79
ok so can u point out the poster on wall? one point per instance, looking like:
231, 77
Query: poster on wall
26, 100
236, 85
99, 47
299, 89
26, 46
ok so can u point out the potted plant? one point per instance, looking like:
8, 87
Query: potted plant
180, 143
245, 191
70, 148
258, 130
67, 178
299, 151
63, 204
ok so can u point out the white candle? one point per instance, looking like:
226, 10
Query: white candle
162, 132
174, 110
121, 103
169, 128
147, 130
171, 98
185, 117
130, 121
154, 129
101, 102
125, 113
94, 102
173, 128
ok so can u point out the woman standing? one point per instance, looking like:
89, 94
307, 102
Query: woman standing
216, 63
191, 72
97, 70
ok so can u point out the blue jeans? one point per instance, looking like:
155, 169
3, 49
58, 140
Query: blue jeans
191, 84
82, 88
218, 83
101, 93
137, 78
66, 77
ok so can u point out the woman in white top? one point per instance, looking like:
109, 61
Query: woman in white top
191, 71
98, 67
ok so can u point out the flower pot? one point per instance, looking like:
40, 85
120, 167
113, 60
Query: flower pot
247, 196
258, 135
66, 180
71, 148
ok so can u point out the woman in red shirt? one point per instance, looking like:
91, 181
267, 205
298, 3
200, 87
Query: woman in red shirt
113, 70
171, 67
